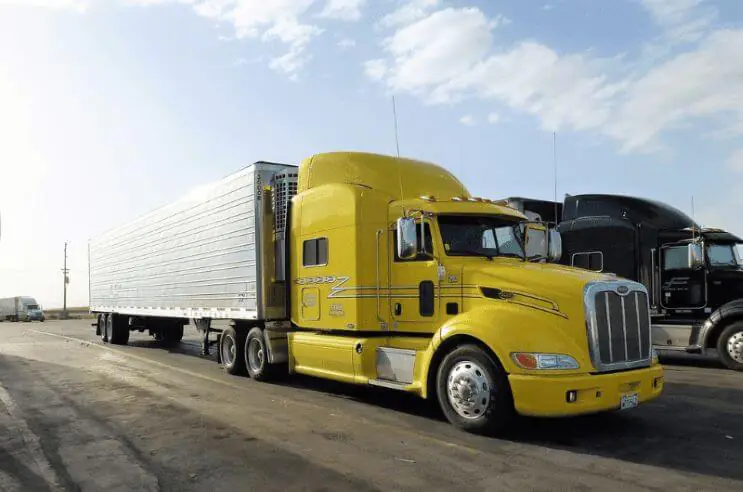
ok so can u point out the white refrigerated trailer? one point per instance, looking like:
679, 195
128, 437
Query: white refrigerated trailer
200, 258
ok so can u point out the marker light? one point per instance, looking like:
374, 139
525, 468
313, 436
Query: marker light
528, 360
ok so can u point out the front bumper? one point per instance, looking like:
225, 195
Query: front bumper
546, 395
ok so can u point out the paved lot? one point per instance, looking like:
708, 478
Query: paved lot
78, 415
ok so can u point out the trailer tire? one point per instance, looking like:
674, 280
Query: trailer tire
473, 391
119, 333
256, 357
730, 346
106, 328
174, 334
231, 347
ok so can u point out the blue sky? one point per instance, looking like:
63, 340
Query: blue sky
110, 108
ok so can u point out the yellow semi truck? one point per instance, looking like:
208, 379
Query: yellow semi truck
383, 271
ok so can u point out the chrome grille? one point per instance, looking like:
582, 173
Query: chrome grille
618, 325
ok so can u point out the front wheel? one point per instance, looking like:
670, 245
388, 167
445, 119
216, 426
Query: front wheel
730, 346
473, 391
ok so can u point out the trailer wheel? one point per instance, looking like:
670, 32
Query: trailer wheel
231, 345
119, 330
256, 357
174, 333
730, 346
473, 391
106, 328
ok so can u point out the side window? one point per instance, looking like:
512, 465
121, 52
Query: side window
422, 255
676, 258
592, 260
507, 242
315, 252
488, 240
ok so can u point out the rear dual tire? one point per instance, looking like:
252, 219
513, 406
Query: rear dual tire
246, 353
113, 328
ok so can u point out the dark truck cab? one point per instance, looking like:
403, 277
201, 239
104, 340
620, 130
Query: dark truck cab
694, 275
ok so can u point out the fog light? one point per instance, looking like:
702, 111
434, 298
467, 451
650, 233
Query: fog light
571, 396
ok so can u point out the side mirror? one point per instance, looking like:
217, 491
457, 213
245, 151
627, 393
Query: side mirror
555, 246
696, 256
535, 240
407, 241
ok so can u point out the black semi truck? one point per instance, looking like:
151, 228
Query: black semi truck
694, 276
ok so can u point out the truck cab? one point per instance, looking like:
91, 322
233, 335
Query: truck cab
401, 278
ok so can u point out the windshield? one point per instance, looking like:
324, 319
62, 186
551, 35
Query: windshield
723, 255
468, 235
32, 306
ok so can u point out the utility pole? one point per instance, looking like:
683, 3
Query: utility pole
66, 280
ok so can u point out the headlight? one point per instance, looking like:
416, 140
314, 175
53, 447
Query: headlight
530, 360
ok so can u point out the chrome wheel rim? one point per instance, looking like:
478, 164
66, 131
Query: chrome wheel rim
255, 355
228, 350
735, 347
468, 389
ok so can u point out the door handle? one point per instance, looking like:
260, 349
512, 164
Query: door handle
398, 309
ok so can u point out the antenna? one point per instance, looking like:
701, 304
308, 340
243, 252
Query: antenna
397, 145
693, 219
554, 162
394, 116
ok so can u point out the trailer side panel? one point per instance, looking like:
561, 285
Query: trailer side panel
195, 258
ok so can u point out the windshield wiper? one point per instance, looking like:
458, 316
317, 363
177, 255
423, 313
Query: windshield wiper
472, 252
536, 258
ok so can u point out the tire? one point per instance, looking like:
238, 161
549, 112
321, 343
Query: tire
174, 334
256, 357
231, 348
730, 346
119, 333
491, 410
106, 328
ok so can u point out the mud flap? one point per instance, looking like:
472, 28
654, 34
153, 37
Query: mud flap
219, 352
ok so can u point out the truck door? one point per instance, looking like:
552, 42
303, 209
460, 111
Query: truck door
414, 285
680, 286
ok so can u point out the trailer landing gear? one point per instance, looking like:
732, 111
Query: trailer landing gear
204, 326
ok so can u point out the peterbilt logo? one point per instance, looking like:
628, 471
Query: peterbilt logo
623, 290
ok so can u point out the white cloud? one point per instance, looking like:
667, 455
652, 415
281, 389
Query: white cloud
468, 120
682, 20
449, 55
437, 49
701, 83
376, 69
493, 118
735, 162
408, 11
79, 5
348, 10
547, 6
346, 44
269, 20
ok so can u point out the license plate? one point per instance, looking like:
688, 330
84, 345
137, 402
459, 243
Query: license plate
629, 401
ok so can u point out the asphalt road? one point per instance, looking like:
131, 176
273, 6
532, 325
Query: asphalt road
79, 415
